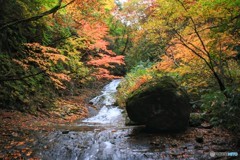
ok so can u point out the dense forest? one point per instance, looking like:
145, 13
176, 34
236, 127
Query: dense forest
196, 42
51, 49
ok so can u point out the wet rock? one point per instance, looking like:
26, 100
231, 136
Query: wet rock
206, 148
184, 147
92, 111
161, 105
200, 151
129, 122
197, 147
65, 132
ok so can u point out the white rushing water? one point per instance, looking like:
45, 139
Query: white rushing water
108, 113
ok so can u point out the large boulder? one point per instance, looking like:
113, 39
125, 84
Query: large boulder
161, 105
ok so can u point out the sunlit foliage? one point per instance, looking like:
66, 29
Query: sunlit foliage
196, 42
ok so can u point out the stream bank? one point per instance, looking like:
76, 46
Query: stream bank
20, 131
105, 136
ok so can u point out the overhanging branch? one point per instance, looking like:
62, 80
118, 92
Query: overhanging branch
34, 18
23, 77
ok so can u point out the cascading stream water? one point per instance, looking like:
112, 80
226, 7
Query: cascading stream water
108, 114
95, 137
108, 94
105, 137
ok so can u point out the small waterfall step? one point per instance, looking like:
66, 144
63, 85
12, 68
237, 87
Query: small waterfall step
108, 114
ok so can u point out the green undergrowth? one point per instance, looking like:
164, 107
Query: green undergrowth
137, 76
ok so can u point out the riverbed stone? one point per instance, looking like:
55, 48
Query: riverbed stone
161, 105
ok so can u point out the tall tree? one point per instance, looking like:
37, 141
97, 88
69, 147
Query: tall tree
194, 25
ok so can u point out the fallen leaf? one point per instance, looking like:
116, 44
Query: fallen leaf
20, 143
28, 153
8, 147
24, 150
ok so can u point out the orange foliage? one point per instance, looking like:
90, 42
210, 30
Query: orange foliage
91, 26
44, 58
107, 61
166, 63
139, 82
103, 73
93, 29
95, 33
57, 78
103, 63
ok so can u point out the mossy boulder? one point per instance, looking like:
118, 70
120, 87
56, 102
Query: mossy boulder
161, 105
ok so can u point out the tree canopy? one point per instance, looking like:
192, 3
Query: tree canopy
194, 41
47, 47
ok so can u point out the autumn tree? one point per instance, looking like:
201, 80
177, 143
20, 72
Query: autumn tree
94, 30
196, 42
205, 29
52, 48
133, 14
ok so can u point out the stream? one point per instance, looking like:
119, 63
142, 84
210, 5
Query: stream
105, 136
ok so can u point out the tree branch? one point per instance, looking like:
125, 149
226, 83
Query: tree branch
125, 45
184, 43
210, 63
34, 18
24, 77
197, 33
220, 25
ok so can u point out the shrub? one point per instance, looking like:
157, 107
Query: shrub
137, 76
223, 111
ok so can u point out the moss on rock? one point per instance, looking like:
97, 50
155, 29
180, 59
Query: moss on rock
160, 104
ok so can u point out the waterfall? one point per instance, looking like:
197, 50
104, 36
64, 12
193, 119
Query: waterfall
108, 113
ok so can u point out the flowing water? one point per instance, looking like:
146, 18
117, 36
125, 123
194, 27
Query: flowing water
105, 136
